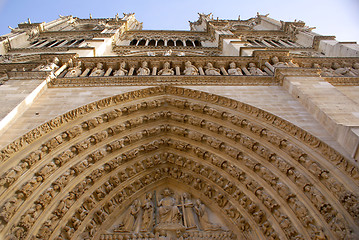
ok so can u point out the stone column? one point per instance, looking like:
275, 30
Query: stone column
177, 67
155, 66
59, 71
268, 71
108, 72
88, 66
245, 70
200, 68
269, 66
132, 68
221, 67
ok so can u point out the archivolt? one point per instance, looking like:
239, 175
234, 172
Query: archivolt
267, 177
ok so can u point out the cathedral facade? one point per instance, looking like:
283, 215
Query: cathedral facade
236, 129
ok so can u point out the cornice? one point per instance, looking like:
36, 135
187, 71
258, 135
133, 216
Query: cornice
164, 80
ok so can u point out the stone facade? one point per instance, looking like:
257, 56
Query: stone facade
236, 129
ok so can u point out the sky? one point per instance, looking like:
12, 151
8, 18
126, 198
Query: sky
338, 18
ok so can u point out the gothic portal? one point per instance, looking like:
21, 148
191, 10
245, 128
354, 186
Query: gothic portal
236, 129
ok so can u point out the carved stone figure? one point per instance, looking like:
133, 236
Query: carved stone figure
74, 71
190, 69
203, 219
233, 70
340, 70
121, 71
253, 70
98, 71
166, 69
130, 221
143, 70
355, 69
276, 63
50, 67
168, 210
148, 213
188, 214
210, 70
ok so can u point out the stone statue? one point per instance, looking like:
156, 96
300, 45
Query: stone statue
276, 63
355, 69
121, 71
190, 69
166, 69
168, 210
188, 214
143, 70
327, 71
130, 221
233, 70
98, 71
203, 219
51, 67
74, 71
341, 71
210, 70
148, 213
253, 70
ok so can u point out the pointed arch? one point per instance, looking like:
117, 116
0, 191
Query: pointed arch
294, 180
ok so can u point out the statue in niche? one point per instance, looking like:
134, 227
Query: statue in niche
188, 214
98, 71
166, 70
74, 71
50, 67
276, 63
355, 69
340, 70
121, 71
253, 70
131, 219
210, 70
203, 219
168, 210
190, 69
143, 70
148, 213
233, 70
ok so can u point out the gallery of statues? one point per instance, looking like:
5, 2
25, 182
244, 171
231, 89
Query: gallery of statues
234, 129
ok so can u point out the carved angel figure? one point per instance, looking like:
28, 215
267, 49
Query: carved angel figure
202, 214
131, 218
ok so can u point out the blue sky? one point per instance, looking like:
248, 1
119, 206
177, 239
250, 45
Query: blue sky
330, 17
